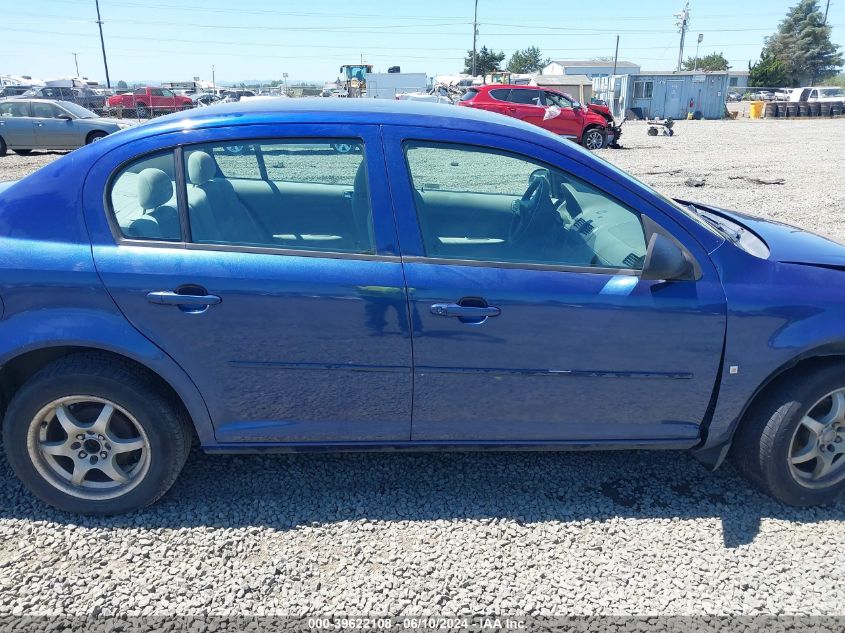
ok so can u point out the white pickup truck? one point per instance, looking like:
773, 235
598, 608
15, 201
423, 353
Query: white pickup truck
820, 94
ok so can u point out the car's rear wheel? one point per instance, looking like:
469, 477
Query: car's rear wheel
141, 111
792, 441
23, 152
93, 137
594, 138
3, 147
94, 435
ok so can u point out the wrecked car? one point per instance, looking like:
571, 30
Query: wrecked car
592, 126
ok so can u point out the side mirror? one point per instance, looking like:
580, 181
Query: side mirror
665, 261
65, 117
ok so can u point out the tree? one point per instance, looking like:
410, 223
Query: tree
486, 61
802, 46
768, 72
712, 62
527, 60
121, 85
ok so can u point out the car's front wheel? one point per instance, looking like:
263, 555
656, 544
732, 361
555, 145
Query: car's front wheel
95, 435
594, 138
792, 441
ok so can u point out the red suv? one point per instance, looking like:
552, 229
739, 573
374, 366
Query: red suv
554, 111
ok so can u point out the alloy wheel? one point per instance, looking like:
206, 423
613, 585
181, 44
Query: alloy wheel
817, 450
88, 447
594, 140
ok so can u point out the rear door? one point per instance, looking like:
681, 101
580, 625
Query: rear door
16, 126
544, 331
526, 104
267, 266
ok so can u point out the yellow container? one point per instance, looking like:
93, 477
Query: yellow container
755, 109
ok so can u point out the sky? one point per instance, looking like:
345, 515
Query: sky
176, 40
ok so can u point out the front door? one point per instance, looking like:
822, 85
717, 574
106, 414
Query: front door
52, 132
530, 319
561, 116
272, 278
672, 107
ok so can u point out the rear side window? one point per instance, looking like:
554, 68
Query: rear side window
143, 199
14, 109
293, 194
527, 97
500, 94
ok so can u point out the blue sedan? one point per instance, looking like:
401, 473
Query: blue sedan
460, 280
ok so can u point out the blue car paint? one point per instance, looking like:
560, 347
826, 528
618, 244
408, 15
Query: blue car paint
767, 314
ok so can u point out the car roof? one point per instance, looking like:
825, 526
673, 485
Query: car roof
496, 86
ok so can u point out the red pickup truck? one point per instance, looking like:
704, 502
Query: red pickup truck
148, 100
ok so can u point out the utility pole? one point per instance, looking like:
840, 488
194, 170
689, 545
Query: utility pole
615, 58
76, 63
683, 25
474, 35
700, 38
213, 82
826, 9
103, 43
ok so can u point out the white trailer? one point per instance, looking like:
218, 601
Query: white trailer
388, 85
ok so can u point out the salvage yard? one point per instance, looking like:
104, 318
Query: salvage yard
454, 533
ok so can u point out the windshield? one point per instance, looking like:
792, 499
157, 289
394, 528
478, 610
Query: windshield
78, 111
470, 94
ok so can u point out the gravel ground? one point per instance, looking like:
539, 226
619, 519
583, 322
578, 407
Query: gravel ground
568, 533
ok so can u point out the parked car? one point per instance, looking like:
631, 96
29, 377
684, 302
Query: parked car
734, 96
551, 110
467, 280
204, 99
236, 95
149, 101
820, 94
13, 91
27, 124
83, 96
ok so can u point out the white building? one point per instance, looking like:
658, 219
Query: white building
591, 68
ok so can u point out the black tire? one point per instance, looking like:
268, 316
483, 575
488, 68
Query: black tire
594, 138
93, 137
764, 441
141, 111
168, 434
652, 131
23, 152
3, 147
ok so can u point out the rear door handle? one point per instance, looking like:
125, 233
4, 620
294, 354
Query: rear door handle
169, 298
455, 310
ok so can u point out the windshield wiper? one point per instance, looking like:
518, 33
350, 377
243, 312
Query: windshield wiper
733, 235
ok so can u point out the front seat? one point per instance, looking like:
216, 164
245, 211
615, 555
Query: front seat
215, 210
160, 220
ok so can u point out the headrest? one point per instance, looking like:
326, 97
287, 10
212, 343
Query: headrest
154, 188
201, 168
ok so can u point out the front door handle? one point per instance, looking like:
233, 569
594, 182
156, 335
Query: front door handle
472, 312
169, 298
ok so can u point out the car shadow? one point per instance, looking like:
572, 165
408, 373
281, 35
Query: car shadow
287, 491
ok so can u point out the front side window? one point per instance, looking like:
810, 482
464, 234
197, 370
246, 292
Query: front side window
553, 98
41, 110
294, 194
143, 199
481, 204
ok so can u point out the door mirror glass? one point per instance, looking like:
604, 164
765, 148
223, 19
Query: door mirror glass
664, 260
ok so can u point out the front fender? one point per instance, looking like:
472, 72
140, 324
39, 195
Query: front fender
779, 314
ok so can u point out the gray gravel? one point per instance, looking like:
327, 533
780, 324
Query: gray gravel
577, 533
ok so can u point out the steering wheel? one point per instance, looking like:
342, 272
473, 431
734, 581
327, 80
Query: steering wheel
526, 209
